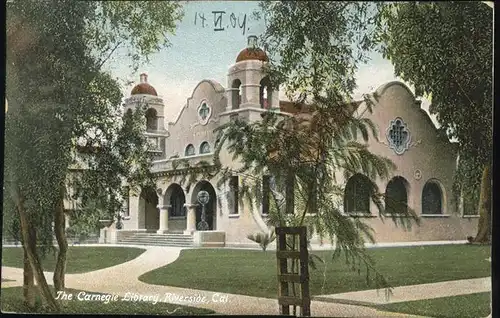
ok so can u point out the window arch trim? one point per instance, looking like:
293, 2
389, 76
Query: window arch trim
357, 185
406, 187
205, 147
190, 150
443, 198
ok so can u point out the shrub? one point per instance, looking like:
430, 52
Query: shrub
263, 239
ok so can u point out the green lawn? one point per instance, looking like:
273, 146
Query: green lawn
253, 273
80, 259
12, 301
464, 306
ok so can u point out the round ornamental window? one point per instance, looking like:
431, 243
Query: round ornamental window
204, 113
417, 174
398, 136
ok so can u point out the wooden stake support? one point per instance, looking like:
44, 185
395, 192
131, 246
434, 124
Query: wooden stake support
287, 279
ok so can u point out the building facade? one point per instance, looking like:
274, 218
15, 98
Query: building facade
426, 161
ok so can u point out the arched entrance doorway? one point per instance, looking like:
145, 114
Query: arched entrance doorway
357, 195
432, 198
396, 196
210, 207
150, 215
175, 198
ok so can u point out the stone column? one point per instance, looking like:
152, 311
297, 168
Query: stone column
111, 234
102, 236
250, 95
229, 97
275, 100
190, 218
163, 218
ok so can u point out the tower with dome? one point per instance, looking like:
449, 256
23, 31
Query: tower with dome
144, 95
170, 212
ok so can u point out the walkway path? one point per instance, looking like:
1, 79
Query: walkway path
413, 292
123, 278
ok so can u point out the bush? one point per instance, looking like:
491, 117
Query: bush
263, 239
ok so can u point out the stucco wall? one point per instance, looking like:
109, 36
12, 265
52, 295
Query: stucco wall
435, 157
431, 154
187, 128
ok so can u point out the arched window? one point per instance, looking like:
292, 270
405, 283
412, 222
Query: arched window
432, 198
396, 196
205, 147
151, 119
265, 93
190, 151
357, 194
236, 93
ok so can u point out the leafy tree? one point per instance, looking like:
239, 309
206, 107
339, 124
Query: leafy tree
57, 92
305, 156
106, 164
314, 50
85, 221
36, 132
445, 50
141, 28
316, 46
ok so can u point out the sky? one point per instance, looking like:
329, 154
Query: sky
200, 52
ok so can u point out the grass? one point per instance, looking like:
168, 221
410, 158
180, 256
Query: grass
253, 273
463, 306
80, 259
12, 301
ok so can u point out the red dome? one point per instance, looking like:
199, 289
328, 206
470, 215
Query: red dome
143, 87
252, 52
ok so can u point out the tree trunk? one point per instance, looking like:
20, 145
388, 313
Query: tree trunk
29, 239
29, 291
484, 224
62, 242
290, 193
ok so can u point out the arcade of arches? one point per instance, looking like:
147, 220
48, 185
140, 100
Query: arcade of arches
177, 208
357, 196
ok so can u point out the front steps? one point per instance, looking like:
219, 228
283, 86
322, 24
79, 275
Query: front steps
153, 239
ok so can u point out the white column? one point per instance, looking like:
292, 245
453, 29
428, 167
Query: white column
275, 100
250, 95
190, 218
111, 237
163, 218
229, 97
102, 236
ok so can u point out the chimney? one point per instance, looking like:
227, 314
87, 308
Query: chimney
144, 78
252, 41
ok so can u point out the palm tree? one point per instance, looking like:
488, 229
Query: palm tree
305, 154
